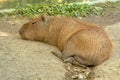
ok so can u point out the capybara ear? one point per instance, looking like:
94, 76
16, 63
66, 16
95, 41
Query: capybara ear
45, 18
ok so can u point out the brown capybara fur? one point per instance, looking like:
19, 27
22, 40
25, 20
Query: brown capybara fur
88, 44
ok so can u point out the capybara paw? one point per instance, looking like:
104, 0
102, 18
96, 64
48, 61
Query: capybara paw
74, 62
69, 60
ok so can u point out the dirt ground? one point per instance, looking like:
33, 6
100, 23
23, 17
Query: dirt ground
30, 60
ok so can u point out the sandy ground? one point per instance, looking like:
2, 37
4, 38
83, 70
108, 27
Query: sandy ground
30, 60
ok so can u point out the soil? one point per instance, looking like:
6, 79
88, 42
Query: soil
30, 60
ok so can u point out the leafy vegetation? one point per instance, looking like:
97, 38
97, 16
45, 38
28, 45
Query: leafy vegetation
52, 7
64, 9
57, 9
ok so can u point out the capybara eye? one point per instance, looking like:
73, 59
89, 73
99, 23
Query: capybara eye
34, 22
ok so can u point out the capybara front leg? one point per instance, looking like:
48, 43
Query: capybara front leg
57, 54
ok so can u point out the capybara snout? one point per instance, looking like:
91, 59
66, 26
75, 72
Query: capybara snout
88, 44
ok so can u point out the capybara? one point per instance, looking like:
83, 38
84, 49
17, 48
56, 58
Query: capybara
88, 44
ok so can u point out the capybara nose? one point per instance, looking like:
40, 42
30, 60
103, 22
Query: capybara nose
20, 32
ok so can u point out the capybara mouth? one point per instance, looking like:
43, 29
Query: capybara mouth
21, 34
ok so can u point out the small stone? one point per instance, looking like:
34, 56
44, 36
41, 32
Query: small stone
13, 23
75, 77
81, 76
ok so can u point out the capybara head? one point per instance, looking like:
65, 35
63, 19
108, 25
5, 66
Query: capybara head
36, 29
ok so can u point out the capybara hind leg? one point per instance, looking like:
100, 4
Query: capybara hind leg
74, 62
67, 54
69, 58
84, 61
